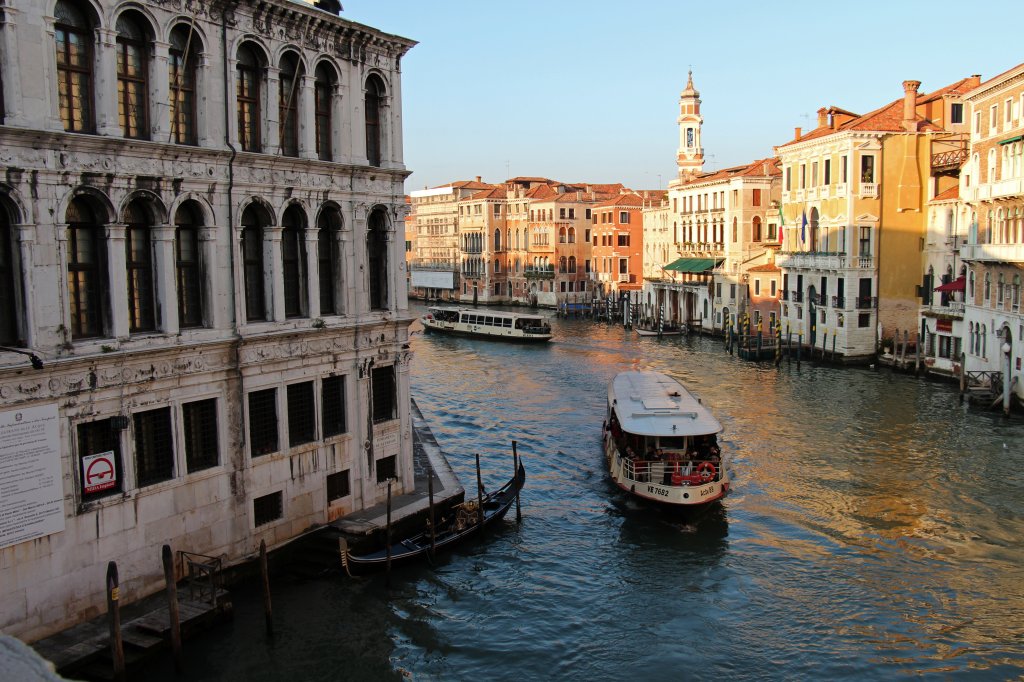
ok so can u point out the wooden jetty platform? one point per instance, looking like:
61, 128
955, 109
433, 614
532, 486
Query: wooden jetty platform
83, 651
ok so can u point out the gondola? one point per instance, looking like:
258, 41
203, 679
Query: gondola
461, 522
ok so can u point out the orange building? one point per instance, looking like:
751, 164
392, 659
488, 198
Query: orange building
617, 232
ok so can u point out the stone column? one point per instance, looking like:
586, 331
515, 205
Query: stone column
232, 95
344, 277
14, 113
395, 119
117, 280
312, 273
306, 118
358, 291
160, 94
215, 314
165, 276
271, 109
105, 83
273, 272
340, 151
25, 234
206, 111
54, 121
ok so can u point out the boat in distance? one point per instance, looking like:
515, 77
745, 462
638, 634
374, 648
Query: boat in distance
488, 324
459, 523
661, 442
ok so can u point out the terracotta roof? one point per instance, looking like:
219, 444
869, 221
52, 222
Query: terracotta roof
767, 267
887, 118
625, 200
951, 193
465, 184
752, 169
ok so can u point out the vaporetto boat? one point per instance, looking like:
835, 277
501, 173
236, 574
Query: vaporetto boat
661, 442
490, 324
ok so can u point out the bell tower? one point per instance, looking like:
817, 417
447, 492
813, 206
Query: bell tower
690, 157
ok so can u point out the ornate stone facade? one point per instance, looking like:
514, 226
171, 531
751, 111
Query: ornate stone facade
210, 270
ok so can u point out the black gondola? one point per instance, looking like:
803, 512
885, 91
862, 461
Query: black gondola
458, 524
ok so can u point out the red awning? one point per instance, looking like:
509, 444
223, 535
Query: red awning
958, 284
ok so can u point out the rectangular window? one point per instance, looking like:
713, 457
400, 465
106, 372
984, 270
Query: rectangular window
842, 169
497, 209
993, 117
757, 287
774, 288
623, 266
587, 215
338, 486
867, 168
864, 320
755, 197
624, 217
154, 446
732, 292
977, 123
263, 422
267, 508
828, 172
387, 469
788, 178
803, 175
100, 475
301, 414
200, 426
623, 240
814, 174
333, 405
865, 242
385, 396
956, 112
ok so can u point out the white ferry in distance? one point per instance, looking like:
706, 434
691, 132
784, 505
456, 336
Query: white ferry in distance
661, 443
488, 324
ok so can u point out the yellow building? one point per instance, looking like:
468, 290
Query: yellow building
854, 203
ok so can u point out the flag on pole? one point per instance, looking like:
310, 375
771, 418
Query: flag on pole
782, 218
803, 228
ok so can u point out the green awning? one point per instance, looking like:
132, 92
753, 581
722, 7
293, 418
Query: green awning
1012, 139
693, 264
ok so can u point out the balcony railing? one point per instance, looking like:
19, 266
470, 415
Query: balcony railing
785, 294
1007, 253
866, 302
839, 302
869, 189
796, 296
811, 260
531, 272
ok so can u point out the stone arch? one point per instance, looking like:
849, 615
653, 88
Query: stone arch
106, 213
196, 199
154, 205
269, 215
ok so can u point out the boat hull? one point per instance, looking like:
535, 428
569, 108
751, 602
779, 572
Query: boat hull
495, 506
497, 335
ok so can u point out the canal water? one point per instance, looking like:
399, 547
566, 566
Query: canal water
874, 530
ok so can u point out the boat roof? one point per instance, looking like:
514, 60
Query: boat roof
493, 313
654, 404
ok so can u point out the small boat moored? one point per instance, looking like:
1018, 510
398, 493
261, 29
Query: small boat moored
661, 442
461, 522
490, 324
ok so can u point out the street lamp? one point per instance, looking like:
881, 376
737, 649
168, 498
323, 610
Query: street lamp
37, 363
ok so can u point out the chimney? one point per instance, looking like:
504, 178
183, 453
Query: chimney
332, 6
478, 178
822, 117
764, 166
910, 105
796, 135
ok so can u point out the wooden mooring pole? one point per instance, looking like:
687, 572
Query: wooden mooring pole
387, 538
515, 474
479, 494
430, 502
268, 611
114, 613
172, 605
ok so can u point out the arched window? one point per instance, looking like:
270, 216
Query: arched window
987, 298
562, 235
372, 110
813, 225
1015, 295
572, 235
73, 37
1000, 288
377, 260
562, 265
248, 96
139, 267
132, 76
293, 261
8, 281
87, 270
253, 222
497, 268
328, 257
970, 286
288, 104
323, 96
497, 240
572, 264
181, 77
756, 228
188, 268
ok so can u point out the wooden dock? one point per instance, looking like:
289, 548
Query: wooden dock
83, 651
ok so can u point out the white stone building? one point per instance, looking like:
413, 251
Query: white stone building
201, 240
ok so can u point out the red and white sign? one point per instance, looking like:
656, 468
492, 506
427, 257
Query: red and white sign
98, 472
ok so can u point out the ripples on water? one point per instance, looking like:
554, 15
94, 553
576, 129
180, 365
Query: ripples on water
874, 531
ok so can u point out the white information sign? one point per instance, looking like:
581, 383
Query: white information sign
31, 488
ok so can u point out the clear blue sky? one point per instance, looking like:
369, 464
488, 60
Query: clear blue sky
588, 91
